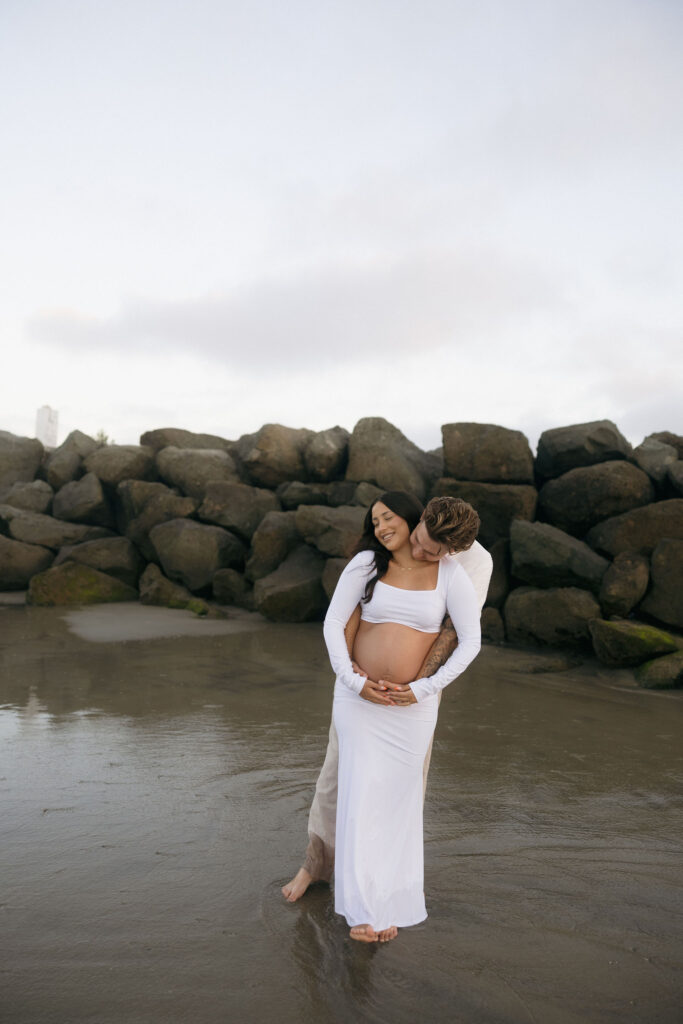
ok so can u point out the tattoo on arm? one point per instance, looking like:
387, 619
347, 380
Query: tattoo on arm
441, 650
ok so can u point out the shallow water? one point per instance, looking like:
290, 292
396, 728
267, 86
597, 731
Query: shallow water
156, 773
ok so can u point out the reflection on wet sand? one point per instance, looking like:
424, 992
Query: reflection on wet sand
155, 792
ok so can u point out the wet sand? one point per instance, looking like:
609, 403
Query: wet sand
156, 772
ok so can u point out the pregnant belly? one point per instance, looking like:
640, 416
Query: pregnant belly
388, 650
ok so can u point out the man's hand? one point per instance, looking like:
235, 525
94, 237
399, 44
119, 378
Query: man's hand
401, 694
376, 693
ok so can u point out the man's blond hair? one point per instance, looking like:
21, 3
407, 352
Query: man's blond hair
451, 522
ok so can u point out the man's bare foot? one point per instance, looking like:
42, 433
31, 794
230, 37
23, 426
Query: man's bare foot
387, 934
363, 933
295, 889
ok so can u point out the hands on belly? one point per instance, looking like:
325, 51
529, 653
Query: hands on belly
385, 693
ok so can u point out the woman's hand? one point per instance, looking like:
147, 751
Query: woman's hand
401, 694
376, 693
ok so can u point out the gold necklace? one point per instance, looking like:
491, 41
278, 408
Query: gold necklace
406, 568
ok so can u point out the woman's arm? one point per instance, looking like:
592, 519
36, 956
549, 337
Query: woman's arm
351, 628
347, 595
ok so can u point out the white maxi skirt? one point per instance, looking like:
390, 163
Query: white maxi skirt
379, 855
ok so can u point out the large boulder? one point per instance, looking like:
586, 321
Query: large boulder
623, 642
326, 454
675, 477
654, 458
661, 673
274, 454
35, 528
639, 530
192, 553
83, 501
499, 585
582, 444
295, 493
665, 600
488, 453
334, 531
142, 506
193, 469
20, 459
331, 573
66, 462
492, 626
497, 504
667, 437
116, 462
231, 587
547, 557
557, 617
237, 507
380, 454
294, 592
274, 538
624, 584
583, 497
156, 589
365, 495
174, 437
72, 583
341, 492
114, 555
34, 497
20, 561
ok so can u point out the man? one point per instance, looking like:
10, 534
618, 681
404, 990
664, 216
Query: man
434, 537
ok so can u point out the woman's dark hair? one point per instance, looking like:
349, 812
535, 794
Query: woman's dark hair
401, 504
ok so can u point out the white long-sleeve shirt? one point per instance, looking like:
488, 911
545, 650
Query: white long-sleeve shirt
419, 609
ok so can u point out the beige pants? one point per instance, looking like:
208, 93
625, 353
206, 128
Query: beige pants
322, 820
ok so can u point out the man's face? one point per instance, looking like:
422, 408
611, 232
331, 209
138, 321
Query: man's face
424, 549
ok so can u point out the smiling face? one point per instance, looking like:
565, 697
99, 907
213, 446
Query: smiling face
390, 530
423, 547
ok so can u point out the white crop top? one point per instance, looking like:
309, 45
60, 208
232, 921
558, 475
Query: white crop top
420, 609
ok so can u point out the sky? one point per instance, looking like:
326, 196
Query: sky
215, 215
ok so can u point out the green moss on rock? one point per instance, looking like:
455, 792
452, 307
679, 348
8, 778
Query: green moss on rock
72, 583
662, 673
624, 642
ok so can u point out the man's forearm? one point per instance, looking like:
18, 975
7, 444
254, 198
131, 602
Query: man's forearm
440, 651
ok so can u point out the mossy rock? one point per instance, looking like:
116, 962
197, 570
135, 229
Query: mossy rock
625, 642
71, 583
662, 673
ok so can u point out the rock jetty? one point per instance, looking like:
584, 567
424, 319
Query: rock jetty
586, 535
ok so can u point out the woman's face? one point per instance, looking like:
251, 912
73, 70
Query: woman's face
390, 530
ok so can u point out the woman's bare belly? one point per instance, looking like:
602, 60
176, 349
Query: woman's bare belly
388, 650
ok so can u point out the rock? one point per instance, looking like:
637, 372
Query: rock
230, 587
296, 493
237, 507
20, 459
582, 444
192, 553
492, 628
366, 495
624, 584
380, 454
116, 462
275, 536
499, 585
193, 469
156, 589
83, 501
546, 557
20, 561
35, 528
72, 583
654, 458
675, 477
625, 642
639, 530
115, 556
665, 600
497, 504
334, 531
142, 506
583, 497
274, 454
326, 454
66, 462
487, 453
666, 437
341, 492
661, 673
33, 497
331, 573
294, 592
557, 617
174, 437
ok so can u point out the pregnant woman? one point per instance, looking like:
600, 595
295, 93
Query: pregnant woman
384, 733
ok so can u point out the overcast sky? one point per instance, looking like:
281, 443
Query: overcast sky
219, 214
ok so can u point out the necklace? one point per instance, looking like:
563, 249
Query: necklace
406, 568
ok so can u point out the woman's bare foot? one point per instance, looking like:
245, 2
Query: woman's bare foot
295, 889
363, 933
387, 934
